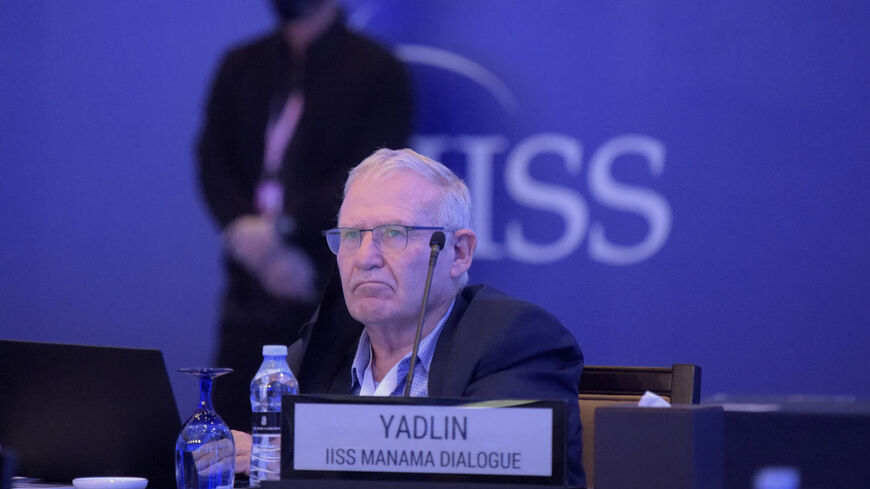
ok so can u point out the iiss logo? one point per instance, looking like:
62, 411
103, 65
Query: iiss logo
562, 200
521, 186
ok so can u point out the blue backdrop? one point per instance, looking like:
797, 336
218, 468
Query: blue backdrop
675, 181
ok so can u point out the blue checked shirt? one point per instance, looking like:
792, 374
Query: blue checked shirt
393, 383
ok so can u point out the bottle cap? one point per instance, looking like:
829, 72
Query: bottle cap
274, 350
777, 478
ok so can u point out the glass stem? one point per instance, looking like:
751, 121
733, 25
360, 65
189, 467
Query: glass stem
205, 392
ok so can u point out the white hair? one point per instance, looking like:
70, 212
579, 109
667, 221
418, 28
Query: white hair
454, 211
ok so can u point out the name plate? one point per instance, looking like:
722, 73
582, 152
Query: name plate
409, 438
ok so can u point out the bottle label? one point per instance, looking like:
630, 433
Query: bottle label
266, 423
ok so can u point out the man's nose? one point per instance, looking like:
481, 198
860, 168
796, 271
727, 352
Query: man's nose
368, 255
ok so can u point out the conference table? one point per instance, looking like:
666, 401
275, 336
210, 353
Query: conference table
705, 446
724, 445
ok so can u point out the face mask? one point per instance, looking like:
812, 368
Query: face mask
288, 10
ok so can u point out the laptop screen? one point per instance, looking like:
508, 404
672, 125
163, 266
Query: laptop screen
72, 411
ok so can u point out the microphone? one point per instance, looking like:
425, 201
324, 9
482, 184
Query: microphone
437, 240
436, 244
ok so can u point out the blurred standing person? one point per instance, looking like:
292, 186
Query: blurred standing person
287, 117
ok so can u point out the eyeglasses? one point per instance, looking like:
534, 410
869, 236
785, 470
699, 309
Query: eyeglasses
388, 237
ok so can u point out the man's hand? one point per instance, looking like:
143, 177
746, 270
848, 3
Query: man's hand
251, 240
207, 456
285, 272
243, 451
289, 274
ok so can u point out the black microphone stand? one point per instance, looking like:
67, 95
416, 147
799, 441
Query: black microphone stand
436, 244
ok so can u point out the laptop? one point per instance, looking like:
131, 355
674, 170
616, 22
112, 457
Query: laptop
72, 411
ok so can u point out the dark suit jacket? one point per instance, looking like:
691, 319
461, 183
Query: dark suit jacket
491, 347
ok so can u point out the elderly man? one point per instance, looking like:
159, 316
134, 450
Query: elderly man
477, 342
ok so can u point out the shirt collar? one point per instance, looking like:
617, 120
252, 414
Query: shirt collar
425, 353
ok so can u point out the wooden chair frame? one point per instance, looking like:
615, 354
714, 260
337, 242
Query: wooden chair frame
604, 385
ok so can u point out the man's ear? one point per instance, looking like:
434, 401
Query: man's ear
464, 242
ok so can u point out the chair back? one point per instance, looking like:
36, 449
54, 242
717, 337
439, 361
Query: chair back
607, 385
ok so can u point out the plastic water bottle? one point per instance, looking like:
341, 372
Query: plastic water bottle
273, 380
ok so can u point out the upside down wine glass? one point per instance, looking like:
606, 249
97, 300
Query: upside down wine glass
204, 451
